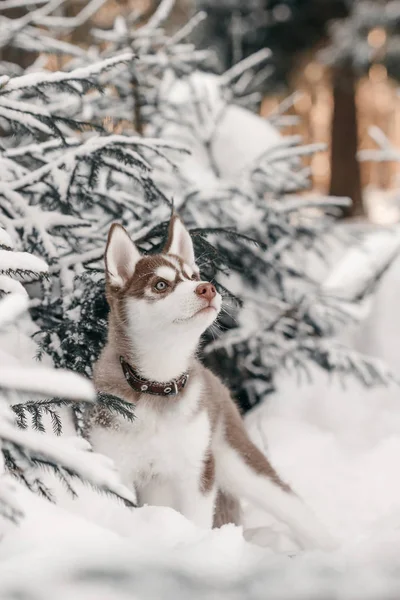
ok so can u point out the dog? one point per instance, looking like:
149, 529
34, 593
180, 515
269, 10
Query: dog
187, 447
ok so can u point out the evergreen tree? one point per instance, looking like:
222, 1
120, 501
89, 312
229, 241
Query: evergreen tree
369, 36
355, 34
239, 28
26, 395
242, 206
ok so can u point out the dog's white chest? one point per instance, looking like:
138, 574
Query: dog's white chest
164, 444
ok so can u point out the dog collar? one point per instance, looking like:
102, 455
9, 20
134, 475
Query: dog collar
144, 386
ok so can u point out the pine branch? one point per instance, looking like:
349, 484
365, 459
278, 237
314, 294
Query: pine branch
117, 405
79, 75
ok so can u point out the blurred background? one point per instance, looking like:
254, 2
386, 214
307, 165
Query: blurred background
336, 60
339, 59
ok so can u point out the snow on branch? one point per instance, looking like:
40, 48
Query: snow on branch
81, 74
160, 15
294, 203
74, 455
17, 266
22, 264
342, 361
34, 39
7, 4
45, 381
12, 306
187, 29
24, 450
385, 152
70, 22
247, 63
362, 266
5, 240
10, 286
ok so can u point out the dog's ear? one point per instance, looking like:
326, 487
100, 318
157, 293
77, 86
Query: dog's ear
179, 241
121, 256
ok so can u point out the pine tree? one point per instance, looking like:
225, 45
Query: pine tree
242, 206
238, 28
354, 36
368, 36
26, 394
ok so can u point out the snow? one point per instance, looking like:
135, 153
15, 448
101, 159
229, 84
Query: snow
187, 29
82, 73
251, 61
367, 260
12, 306
379, 334
339, 452
70, 22
382, 206
14, 261
9, 286
73, 454
50, 382
213, 124
159, 15
262, 134
5, 239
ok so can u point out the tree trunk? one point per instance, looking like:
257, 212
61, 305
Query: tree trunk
345, 168
17, 56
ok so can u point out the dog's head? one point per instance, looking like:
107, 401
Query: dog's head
160, 296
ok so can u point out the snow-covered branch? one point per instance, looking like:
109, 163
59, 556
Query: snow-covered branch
81, 74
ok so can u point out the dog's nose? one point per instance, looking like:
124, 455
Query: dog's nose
206, 291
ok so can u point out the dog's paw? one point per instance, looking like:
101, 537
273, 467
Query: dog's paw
274, 538
319, 539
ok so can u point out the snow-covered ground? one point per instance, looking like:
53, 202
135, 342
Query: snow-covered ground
338, 447
339, 451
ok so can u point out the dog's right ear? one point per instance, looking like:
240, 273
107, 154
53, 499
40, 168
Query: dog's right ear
121, 256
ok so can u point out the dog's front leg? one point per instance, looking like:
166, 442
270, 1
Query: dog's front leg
195, 504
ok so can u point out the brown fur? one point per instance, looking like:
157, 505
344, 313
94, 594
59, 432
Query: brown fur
235, 431
145, 276
227, 510
216, 399
168, 243
208, 475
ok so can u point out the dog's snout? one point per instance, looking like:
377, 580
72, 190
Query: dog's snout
206, 291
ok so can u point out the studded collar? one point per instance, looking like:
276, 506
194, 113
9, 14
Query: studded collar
144, 386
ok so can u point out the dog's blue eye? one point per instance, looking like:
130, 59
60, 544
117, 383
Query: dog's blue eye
161, 286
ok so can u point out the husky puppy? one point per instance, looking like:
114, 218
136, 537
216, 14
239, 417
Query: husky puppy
188, 447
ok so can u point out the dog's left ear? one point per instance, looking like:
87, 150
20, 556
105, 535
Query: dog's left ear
179, 242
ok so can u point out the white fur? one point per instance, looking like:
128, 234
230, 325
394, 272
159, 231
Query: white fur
121, 257
181, 244
188, 271
162, 454
167, 273
236, 477
166, 333
173, 261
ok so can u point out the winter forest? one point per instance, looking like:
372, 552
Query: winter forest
272, 128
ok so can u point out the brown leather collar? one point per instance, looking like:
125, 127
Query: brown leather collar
144, 386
